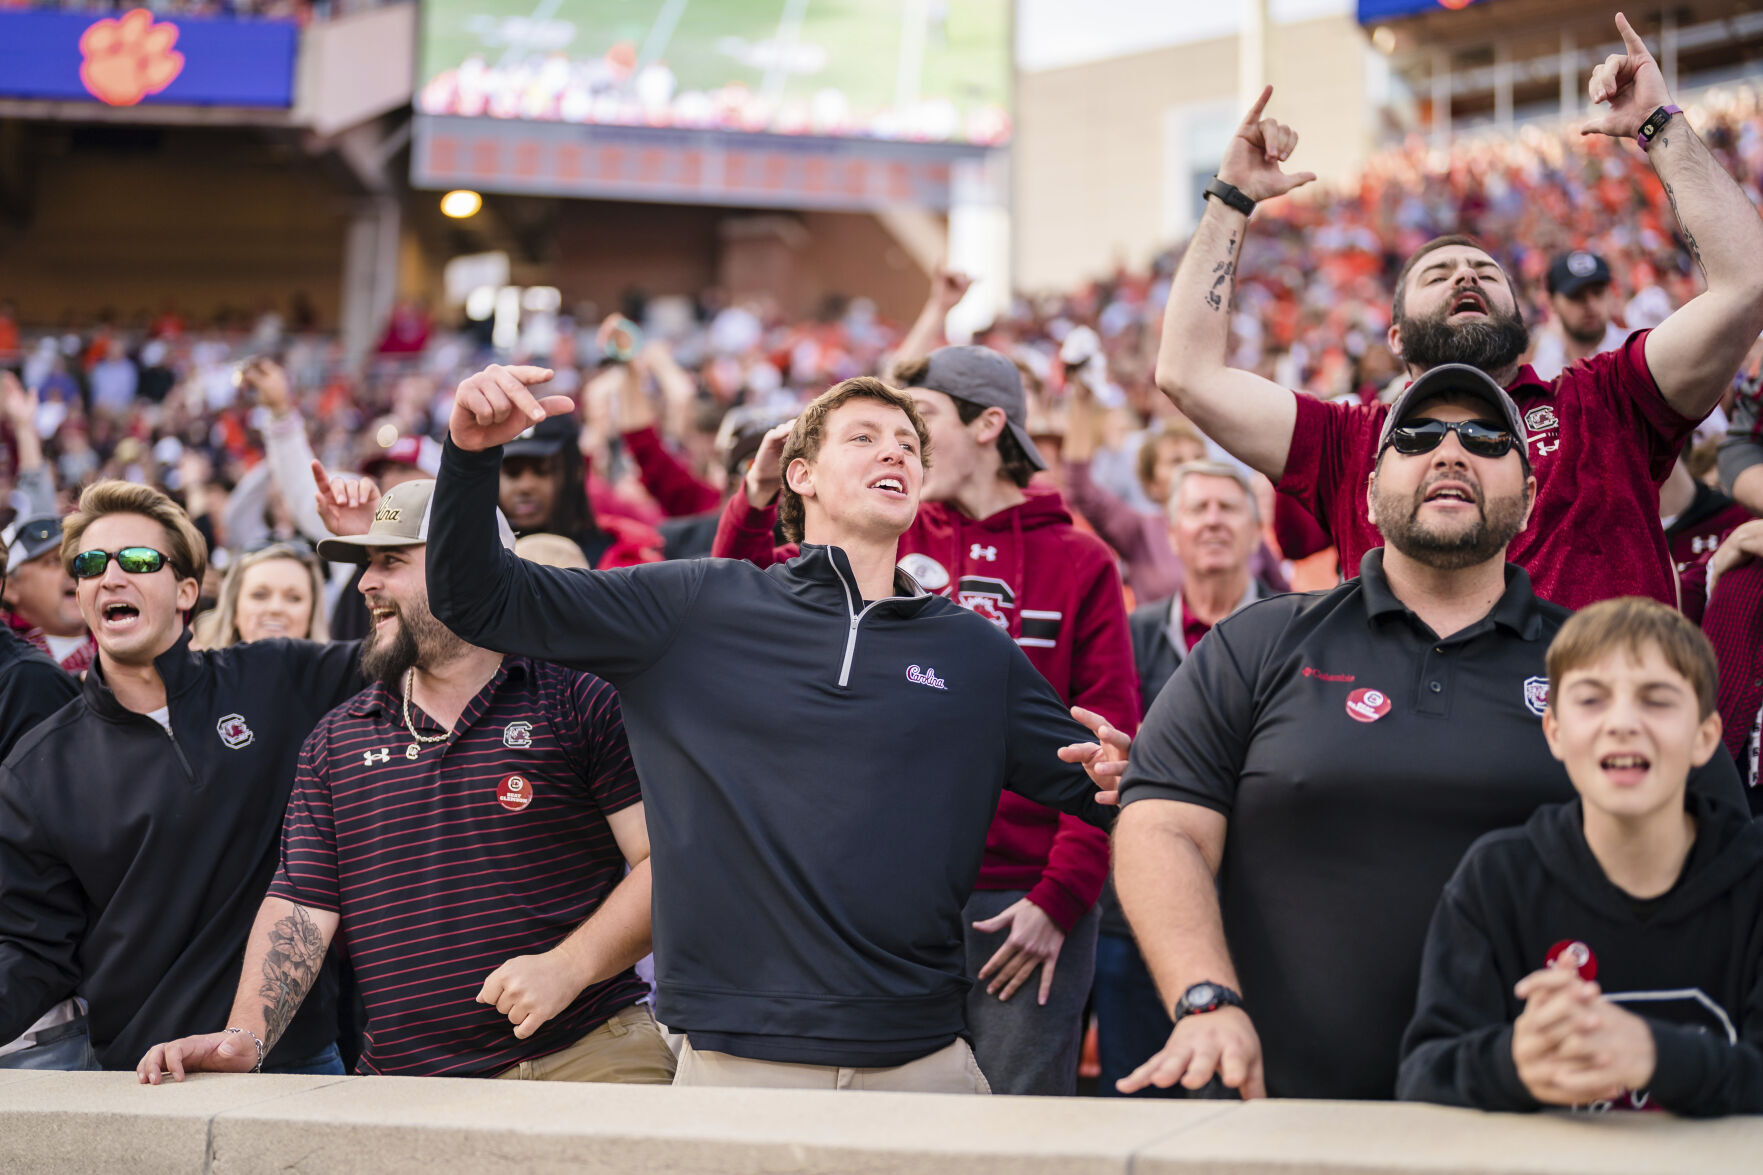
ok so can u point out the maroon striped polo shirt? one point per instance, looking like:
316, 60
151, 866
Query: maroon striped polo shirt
490, 845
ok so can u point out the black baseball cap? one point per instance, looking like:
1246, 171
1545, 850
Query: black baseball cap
1456, 379
544, 439
1572, 272
981, 376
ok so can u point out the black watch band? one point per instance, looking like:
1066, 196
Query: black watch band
1204, 997
1231, 195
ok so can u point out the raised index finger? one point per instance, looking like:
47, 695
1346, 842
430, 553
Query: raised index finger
1631, 40
1254, 115
529, 375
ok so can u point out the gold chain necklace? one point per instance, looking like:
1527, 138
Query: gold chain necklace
411, 751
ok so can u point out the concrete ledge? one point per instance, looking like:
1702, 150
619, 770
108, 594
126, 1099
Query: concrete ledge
229, 1125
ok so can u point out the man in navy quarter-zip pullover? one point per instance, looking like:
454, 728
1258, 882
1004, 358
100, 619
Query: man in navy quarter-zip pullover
822, 746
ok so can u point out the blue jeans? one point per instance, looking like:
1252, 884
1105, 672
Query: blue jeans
71, 1050
327, 1063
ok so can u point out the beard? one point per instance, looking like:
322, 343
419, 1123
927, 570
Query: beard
1497, 525
419, 640
1493, 343
1585, 336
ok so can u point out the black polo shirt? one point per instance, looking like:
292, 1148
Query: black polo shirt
491, 844
1356, 756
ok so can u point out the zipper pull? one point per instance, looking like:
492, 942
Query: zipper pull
853, 624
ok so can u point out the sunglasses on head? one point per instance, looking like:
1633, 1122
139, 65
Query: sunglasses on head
1477, 437
134, 560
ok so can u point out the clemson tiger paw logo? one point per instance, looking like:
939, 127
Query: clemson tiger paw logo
130, 58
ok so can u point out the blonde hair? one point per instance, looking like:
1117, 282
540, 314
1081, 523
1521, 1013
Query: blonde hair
189, 550
218, 627
553, 550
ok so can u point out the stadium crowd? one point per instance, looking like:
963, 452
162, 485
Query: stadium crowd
436, 638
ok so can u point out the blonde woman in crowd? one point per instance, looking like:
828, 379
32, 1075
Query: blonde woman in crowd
276, 591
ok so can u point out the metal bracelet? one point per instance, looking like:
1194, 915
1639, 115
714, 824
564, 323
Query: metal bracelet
256, 1040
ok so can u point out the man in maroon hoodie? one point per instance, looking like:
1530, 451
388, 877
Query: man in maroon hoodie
1010, 553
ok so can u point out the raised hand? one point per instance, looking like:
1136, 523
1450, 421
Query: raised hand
766, 475
948, 286
1629, 83
494, 406
345, 503
17, 403
1253, 156
264, 378
1105, 759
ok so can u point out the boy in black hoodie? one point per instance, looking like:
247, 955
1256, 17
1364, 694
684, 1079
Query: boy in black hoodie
1610, 952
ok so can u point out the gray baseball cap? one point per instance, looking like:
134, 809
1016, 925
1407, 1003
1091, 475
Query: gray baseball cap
402, 520
981, 376
1458, 379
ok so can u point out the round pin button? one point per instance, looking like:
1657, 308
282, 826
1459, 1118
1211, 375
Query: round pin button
515, 793
1578, 953
1367, 705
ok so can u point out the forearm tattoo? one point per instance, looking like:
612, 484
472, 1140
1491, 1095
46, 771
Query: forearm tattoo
1683, 229
1219, 294
296, 951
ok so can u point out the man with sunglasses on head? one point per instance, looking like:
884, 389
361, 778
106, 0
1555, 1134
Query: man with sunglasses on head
1602, 436
140, 824
1309, 778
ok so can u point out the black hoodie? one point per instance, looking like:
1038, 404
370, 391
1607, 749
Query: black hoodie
1690, 962
818, 772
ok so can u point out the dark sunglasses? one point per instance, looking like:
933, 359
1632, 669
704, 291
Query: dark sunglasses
1425, 435
134, 560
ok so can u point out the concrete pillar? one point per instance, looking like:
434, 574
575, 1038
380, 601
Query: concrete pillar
980, 241
1569, 74
370, 274
1441, 99
1251, 53
1503, 85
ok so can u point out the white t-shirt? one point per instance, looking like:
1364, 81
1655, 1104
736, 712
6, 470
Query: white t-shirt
162, 716
61, 647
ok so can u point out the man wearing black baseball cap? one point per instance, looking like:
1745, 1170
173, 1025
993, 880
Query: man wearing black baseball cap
1580, 307
1309, 778
544, 489
1007, 550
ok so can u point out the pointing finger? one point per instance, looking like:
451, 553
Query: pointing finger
1630, 38
1254, 115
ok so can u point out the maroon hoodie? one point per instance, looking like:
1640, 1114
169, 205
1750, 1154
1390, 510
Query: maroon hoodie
1057, 591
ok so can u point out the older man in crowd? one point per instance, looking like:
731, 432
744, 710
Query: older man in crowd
1214, 526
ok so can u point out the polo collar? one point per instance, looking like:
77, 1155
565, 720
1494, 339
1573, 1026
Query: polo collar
1516, 610
379, 698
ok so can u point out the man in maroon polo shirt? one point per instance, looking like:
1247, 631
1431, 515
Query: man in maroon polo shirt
468, 815
1603, 435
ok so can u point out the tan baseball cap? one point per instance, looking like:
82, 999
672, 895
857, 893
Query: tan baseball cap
402, 520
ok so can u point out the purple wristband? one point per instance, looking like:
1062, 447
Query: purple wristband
1655, 123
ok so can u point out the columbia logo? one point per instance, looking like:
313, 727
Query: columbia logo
924, 677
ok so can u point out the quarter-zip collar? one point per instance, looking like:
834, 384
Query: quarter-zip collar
822, 571
180, 668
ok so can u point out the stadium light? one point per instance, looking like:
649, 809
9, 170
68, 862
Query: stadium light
461, 204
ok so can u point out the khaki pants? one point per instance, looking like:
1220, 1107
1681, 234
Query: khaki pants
948, 1070
627, 1049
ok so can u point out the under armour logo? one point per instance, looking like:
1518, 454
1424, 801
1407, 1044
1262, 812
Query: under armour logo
369, 758
1544, 447
1704, 542
989, 554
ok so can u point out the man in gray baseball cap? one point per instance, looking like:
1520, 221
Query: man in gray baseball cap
1460, 383
979, 378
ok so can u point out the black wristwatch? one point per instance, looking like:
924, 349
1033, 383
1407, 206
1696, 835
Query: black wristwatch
1230, 195
1205, 997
